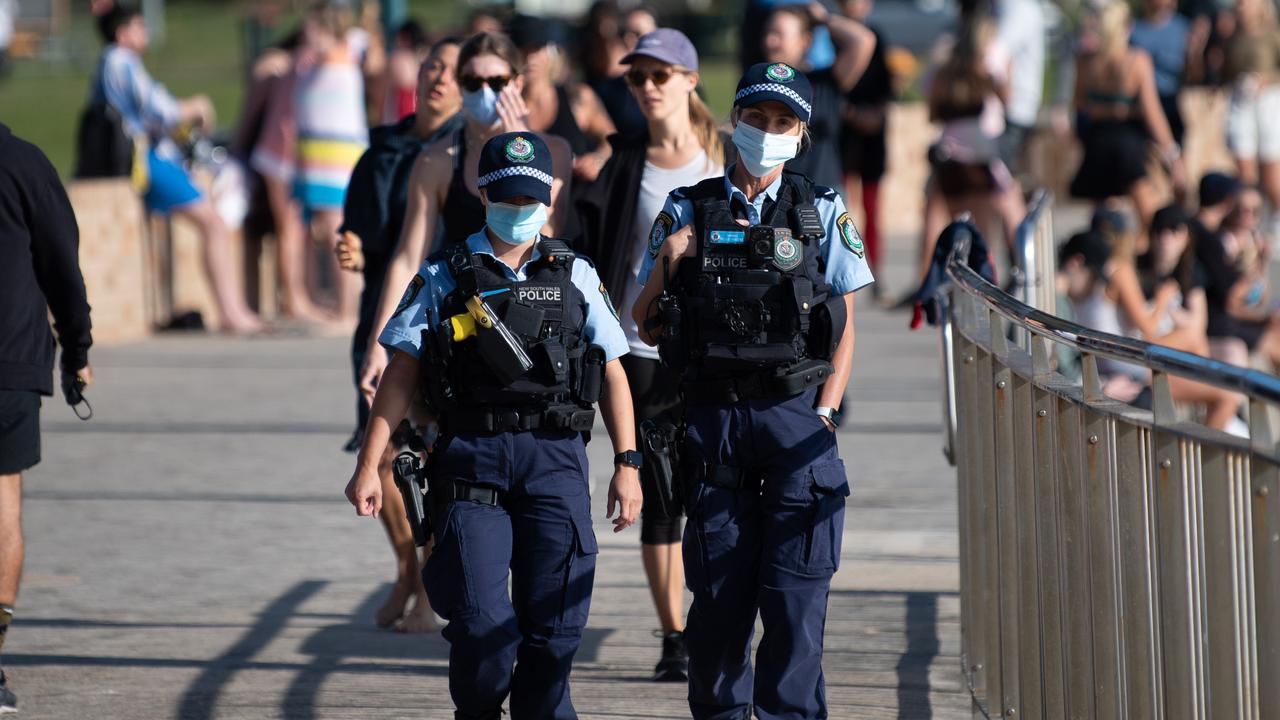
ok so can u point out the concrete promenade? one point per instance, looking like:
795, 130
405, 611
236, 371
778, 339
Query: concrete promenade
190, 553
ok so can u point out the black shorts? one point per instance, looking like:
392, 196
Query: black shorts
19, 430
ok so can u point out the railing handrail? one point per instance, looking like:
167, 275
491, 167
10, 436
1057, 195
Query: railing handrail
1254, 383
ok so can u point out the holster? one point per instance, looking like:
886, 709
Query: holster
410, 479
661, 449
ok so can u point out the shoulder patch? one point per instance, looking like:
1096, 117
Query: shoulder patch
410, 294
659, 232
608, 302
849, 234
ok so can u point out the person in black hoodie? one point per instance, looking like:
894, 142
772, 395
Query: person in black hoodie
39, 272
372, 219
680, 146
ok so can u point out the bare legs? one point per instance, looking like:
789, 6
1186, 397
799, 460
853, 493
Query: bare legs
290, 253
397, 610
664, 567
324, 228
11, 547
219, 267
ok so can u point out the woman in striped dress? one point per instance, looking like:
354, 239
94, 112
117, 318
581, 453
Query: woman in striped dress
332, 134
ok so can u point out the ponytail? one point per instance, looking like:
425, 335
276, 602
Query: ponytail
706, 128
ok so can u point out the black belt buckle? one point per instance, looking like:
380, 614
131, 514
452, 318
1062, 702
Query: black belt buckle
723, 476
505, 419
474, 493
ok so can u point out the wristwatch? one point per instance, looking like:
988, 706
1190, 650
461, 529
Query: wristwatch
831, 414
632, 458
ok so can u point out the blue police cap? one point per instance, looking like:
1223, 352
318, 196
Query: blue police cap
776, 81
516, 164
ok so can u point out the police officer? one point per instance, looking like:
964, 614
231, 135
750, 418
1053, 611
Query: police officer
749, 287
511, 338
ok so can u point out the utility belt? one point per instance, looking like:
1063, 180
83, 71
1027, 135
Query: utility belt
513, 419
780, 383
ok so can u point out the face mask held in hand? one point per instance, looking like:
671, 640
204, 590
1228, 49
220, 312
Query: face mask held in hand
481, 105
515, 224
760, 151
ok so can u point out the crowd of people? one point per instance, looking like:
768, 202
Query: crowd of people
547, 172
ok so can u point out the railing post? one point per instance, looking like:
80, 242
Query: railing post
1264, 517
1179, 539
1104, 582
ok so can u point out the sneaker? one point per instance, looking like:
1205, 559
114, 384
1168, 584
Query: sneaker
8, 701
674, 665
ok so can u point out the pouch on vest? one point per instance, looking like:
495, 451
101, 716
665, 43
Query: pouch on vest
592, 375
499, 348
827, 322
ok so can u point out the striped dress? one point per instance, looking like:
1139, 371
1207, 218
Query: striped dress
332, 131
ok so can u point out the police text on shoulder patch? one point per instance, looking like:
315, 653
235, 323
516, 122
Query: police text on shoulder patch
659, 232
849, 234
410, 294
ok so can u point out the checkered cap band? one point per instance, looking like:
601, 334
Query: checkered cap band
506, 172
773, 88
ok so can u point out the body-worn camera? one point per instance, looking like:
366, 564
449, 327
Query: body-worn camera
759, 247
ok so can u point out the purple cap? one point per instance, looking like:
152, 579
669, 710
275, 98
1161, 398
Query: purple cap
667, 45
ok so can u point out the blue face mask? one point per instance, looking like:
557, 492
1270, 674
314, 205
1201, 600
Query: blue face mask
481, 105
760, 151
516, 224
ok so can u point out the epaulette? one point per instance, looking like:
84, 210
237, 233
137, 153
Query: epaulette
677, 194
822, 191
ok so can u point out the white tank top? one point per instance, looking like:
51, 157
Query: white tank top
655, 184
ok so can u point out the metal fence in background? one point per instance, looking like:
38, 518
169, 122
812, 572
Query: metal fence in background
1114, 562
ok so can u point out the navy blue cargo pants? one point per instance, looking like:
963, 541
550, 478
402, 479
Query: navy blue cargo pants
769, 547
540, 532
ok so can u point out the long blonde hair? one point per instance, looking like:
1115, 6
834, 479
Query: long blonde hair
706, 128
1113, 28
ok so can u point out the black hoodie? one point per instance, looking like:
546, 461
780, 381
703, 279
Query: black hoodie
39, 271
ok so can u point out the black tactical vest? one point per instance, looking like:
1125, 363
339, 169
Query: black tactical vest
547, 315
742, 316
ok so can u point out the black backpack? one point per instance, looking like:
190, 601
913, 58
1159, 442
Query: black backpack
103, 149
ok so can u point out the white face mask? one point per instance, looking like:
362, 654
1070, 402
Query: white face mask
760, 151
481, 105
515, 224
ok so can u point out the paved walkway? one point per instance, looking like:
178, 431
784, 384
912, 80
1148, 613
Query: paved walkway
190, 554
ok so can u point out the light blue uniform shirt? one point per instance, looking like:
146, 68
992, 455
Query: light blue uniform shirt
841, 247
420, 306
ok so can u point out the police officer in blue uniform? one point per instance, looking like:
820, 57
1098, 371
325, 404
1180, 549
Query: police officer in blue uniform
511, 339
749, 288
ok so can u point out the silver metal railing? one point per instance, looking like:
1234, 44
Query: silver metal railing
1114, 562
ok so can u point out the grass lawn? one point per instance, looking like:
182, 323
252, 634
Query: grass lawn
202, 53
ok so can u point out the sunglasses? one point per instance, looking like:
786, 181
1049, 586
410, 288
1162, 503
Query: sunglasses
636, 78
473, 83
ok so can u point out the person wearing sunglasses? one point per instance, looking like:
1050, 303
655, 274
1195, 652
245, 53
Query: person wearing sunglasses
755, 273
565, 109
510, 490
444, 205
680, 146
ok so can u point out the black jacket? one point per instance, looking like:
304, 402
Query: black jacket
376, 198
39, 271
607, 208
